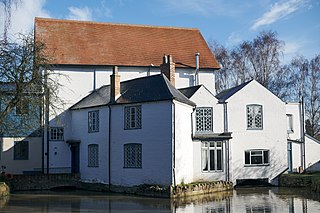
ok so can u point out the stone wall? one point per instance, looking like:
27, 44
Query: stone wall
25, 182
200, 188
311, 181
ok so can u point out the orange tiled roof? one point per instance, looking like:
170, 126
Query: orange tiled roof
93, 43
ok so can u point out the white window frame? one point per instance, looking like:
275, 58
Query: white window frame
93, 121
132, 155
56, 133
289, 123
255, 117
207, 149
204, 120
263, 153
132, 117
93, 155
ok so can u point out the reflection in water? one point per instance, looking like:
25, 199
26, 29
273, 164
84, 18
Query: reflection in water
241, 200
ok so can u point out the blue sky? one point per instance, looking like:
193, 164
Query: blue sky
297, 22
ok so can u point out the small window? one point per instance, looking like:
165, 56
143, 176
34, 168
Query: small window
204, 119
289, 123
132, 116
133, 155
254, 117
93, 121
212, 156
22, 107
256, 157
21, 150
93, 155
56, 134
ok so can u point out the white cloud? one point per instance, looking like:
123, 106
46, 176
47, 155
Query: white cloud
103, 10
279, 11
22, 16
233, 39
204, 7
82, 14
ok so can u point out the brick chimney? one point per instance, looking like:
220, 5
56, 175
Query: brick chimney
168, 68
114, 84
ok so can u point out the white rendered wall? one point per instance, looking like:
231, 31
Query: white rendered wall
312, 153
155, 137
204, 98
183, 143
273, 136
19, 166
79, 82
80, 132
294, 110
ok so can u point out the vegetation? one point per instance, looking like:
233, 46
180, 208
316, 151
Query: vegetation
261, 59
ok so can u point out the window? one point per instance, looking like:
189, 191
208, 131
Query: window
22, 107
93, 155
132, 116
204, 119
289, 123
256, 157
254, 116
21, 150
133, 155
212, 157
56, 133
93, 121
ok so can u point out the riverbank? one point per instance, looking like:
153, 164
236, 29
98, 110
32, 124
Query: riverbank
311, 181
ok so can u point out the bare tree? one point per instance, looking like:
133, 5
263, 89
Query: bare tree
25, 78
7, 9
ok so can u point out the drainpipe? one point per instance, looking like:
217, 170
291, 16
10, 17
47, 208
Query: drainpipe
303, 145
109, 150
46, 90
196, 77
225, 129
94, 80
173, 146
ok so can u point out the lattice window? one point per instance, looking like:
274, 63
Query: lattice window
93, 155
254, 117
256, 157
204, 119
133, 155
21, 150
56, 133
93, 121
132, 117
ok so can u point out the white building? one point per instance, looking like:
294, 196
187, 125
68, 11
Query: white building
163, 124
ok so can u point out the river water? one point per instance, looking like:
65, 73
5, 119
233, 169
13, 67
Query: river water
240, 200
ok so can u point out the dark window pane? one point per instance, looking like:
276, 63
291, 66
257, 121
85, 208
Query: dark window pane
219, 159
212, 166
266, 156
256, 159
247, 157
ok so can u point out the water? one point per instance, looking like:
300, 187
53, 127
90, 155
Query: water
241, 200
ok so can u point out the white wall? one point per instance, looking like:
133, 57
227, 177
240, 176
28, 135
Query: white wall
79, 82
272, 137
19, 166
183, 143
204, 98
294, 110
155, 137
312, 153
80, 132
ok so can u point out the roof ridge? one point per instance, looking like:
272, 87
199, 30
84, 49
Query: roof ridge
116, 24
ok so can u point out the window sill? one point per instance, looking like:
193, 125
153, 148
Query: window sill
256, 165
218, 171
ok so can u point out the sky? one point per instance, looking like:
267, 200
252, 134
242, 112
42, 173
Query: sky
296, 22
